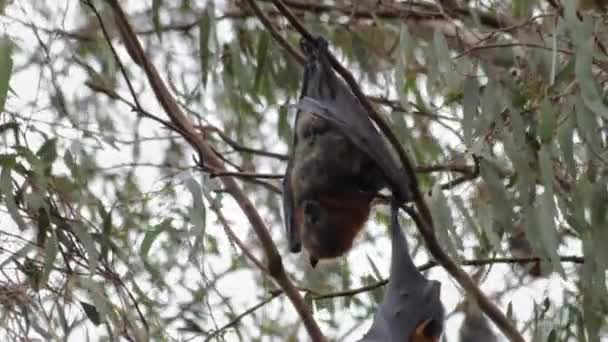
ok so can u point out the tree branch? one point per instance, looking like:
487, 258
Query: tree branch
206, 154
424, 220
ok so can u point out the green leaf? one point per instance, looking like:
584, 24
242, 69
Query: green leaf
442, 52
453, 81
6, 68
469, 108
400, 126
261, 59
106, 231
499, 200
284, 128
548, 211
587, 125
151, 236
205, 27
6, 187
198, 214
468, 219
88, 244
375, 269
404, 54
48, 151
547, 122
444, 223
584, 75
91, 312
566, 143
156, 5
95, 291
50, 253
553, 55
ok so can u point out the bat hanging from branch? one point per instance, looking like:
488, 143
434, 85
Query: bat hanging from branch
337, 165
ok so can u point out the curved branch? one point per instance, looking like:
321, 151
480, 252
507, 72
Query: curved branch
206, 154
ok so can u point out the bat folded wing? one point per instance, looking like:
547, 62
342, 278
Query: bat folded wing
347, 115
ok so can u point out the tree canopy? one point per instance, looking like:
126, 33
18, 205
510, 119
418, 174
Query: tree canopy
144, 144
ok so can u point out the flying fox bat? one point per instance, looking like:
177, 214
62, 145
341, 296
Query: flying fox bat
338, 163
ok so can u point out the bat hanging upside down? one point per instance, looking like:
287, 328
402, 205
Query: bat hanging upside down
338, 163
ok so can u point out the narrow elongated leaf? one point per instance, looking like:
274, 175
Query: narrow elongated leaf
87, 242
6, 187
50, 253
198, 215
469, 108
91, 312
156, 5
261, 60
6, 68
199, 212
404, 54
548, 211
566, 144
375, 269
48, 151
589, 90
151, 236
500, 202
103, 306
468, 219
443, 219
441, 48
587, 124
553, 56
547, 122
205, 26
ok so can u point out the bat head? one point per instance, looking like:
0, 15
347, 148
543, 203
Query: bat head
329, 226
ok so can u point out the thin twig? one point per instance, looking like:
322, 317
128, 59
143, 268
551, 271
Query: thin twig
239, 147
431, 264
245, 313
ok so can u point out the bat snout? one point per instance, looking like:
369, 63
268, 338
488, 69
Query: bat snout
295, 247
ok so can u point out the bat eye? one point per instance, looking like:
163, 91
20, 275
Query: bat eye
312, 212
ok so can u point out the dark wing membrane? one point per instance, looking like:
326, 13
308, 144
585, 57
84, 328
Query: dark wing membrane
293, 236
410, 299
337, 104
350, 118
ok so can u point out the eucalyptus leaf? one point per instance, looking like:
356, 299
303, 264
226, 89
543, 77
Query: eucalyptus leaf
6, 188
548, 211
87, 242
444, 223
205, 27
469, 108
6, 69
